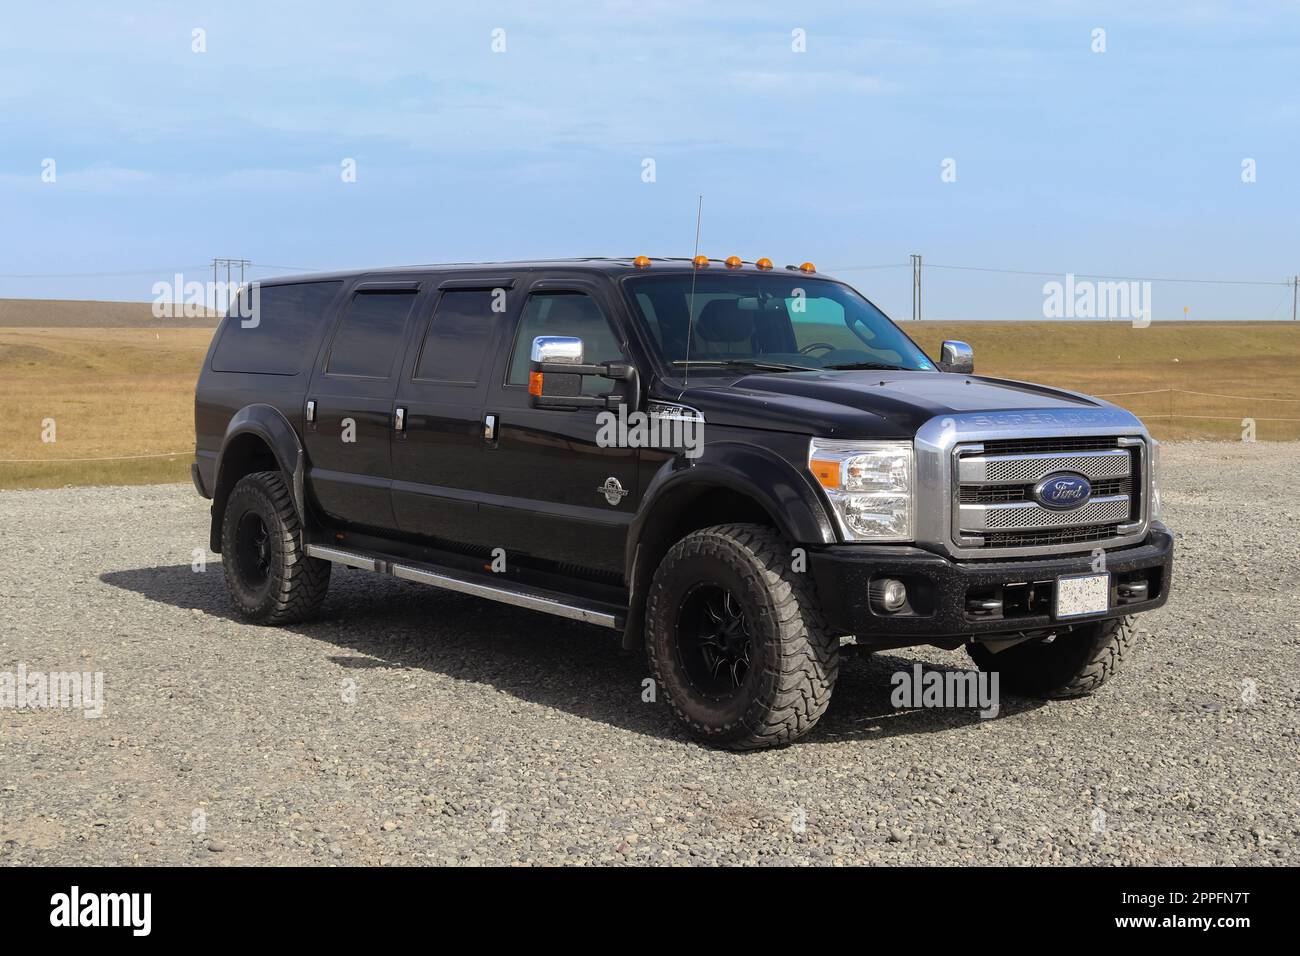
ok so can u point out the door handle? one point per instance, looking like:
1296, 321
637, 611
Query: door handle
489, 428
311, 412
399, 420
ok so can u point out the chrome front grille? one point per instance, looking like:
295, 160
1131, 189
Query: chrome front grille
992, 494
1028, 515
989, 469
1032, 446
993, 500
1051, 538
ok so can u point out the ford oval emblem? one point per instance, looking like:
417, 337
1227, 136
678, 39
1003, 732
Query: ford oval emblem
1062, 492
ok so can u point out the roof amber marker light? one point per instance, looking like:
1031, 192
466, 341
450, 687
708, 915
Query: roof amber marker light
807, 267
641, 262
700, 262
826, 472
733, 262
764, 263
535, 384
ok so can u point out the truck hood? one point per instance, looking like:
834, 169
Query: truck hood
865, 404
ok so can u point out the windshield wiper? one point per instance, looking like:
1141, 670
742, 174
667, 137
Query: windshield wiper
747, 363
851, 366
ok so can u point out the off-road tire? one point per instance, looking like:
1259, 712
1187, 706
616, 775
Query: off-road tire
1073, 665
294, 584
793, 659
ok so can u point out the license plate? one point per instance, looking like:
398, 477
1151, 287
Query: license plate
1081, 594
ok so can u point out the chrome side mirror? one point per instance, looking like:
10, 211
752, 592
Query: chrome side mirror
557, 348
556, 370
957, 357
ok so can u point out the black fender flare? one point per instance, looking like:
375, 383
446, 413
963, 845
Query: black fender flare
269, 424
777, 486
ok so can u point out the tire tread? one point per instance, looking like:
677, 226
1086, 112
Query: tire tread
807, 662
299, 584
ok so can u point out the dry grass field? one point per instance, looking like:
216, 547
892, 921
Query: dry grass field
111, 392
129, 391
79, 313
1242, 369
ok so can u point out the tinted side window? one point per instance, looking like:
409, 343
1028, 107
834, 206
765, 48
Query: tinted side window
273, 339
566, 313
458, 337
370, 334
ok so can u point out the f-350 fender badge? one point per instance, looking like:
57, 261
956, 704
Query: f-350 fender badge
613, 491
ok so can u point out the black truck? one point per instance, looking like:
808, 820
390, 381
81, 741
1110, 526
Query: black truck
732, 465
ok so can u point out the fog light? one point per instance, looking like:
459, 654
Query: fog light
888, 595
1130, 591
984, 607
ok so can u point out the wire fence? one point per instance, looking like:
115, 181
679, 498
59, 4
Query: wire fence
1174, 414
64, 461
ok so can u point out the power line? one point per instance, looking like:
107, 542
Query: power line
887, 265
1288, 282
1097, 275
100, 275
165, 271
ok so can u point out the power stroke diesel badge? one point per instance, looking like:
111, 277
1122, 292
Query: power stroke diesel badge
613, 490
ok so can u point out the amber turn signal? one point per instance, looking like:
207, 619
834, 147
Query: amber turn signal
535, 384
641, 262
764, 263
807, 267
826, 472
701, 262
733, 262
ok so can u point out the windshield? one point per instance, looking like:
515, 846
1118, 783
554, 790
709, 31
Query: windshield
768, 322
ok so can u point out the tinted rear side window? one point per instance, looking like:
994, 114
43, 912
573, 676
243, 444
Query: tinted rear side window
273, 340
458, 337
370, 334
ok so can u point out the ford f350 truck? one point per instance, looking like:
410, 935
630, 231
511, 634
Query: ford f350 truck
731, 465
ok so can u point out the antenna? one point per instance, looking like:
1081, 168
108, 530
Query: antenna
690, 313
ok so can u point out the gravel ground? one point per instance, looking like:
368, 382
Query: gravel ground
415, 726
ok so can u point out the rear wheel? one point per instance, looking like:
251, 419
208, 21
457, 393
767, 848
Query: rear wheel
270, 579
736, 639
1071, 664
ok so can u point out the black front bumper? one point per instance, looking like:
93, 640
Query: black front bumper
941, 590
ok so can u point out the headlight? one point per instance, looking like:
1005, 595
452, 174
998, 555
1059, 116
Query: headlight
870, 484
1154, 511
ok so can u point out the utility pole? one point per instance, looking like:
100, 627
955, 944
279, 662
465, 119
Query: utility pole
916, 288
1295, 287
229, 265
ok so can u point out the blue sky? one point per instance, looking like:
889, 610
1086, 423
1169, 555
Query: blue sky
1125, 162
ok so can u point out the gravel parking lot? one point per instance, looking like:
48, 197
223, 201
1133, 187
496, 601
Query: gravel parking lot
410, 725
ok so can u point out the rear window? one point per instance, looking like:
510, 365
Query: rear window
274, 338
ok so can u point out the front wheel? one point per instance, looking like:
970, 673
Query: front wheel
736, 639
1070, 664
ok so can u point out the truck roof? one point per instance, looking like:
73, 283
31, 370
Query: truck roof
604, 265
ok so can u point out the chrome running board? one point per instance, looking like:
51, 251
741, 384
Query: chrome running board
504, 592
